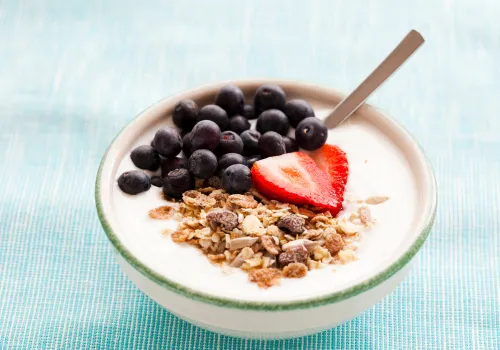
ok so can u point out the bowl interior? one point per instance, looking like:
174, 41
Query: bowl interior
384, 160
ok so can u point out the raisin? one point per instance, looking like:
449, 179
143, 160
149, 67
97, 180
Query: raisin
292, 223
225, 218
294, 255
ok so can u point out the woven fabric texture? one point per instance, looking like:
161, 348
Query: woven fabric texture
73, 73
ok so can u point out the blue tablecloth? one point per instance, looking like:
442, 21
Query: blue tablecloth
72, 73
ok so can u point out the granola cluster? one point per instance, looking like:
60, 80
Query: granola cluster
266, 238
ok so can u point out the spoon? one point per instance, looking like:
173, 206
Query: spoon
396, 58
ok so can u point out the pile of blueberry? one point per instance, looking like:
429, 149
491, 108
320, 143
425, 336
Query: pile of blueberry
218, 143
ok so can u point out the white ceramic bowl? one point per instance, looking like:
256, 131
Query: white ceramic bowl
256, 315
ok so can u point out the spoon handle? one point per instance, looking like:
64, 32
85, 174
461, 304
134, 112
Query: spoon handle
396, 58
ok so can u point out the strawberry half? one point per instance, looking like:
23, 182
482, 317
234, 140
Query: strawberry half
333, 161
295, 178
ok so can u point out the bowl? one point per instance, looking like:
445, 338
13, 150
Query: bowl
183, 281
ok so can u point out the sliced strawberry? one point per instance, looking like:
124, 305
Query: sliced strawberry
333, 161
295, 178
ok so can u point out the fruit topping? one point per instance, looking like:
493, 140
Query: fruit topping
238, 124
248, 112
250, 161
167, 142
229, 159
157, 181
205, 135
202, 164
271, 144
177, 182
268, 97
290, 144
229, 142
273, 120
145, 157
311, 134
185, 114
237, 179
250, 140
215, 114
231, 99
134, 182
333, 161
186, 144
169, 164
298, 110
295, 178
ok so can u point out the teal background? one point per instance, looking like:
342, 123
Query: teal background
72, 73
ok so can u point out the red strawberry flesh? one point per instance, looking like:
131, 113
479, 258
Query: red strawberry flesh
295, 178
333, 161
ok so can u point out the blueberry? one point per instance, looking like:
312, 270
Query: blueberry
157, 181
311, 134
169, 164
186, 144
202, 164
177, 182
134, 182
290, 144
238, 124
298, 110
237, 179
248, 112
145, 157
250, 140
229, 142
252, 160
229, 159
215, 114
185, 114
273, 120
271, 144
268, 97
168, 142
215, 182
205, 135
231, 99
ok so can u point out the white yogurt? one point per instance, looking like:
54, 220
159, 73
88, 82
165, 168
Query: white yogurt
376, 167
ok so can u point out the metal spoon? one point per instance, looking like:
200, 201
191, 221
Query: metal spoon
396, 58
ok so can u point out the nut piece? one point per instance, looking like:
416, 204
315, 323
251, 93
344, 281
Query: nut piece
265, 278
242, 242
365, 215
197, 199
225, 218
161, 213
347, 255
269, 245
246, 253
300, 242
216, 257
251, 225
376, 200
180, 236
313, 235
295, 255
242, 201
292, 223
273, 230
295, 270
307, 212
334, 243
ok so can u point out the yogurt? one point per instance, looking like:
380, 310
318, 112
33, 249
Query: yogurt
376, 168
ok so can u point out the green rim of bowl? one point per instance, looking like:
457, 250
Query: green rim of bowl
265, 306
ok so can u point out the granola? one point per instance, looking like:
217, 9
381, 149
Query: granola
268, 239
